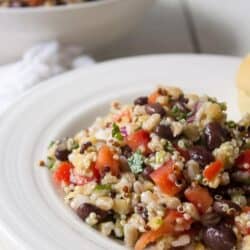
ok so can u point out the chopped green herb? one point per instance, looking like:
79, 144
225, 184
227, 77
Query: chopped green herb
178, 114
51, 144
50, 162
101, 187
116, 133
74, 145
169, 147
231, 124
223, 105
183, 143
136, 162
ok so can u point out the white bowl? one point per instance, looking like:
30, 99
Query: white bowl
91, 24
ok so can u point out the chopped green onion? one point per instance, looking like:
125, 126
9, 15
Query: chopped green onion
116, 133
136, 162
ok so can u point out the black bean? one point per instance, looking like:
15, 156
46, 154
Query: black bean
246, 189
164, 131
62, 152
221, 191
214, 135
210, 219
241, 128
242, 177
147, 171
201, 155
219, 237
126, 151
141, 100
85, 146
124, 163
155, 108
226, 208
85, 209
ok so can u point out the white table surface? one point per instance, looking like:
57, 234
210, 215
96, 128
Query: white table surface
183, 26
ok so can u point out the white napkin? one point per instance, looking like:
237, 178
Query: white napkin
39, 63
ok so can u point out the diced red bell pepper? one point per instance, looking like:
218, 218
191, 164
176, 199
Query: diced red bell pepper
243, 161
246, 209
166, 177
81, 180
200, 197
62, 173
212, 170
153, 97
168, 227
105, 159
139, 139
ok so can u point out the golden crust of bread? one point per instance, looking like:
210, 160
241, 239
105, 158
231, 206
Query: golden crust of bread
243, 85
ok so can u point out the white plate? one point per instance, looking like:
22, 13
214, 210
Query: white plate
32, 213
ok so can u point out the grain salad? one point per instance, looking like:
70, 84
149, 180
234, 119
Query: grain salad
35, 3
169, 171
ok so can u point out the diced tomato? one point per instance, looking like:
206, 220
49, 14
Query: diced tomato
125, 115
34, 2
212, 170
139, 139
105, 158
168, 227
171, 224
200, 197
165, 178
246, 209
244, 230
153, 97
243, 161
149, 237
62, 173
81, 180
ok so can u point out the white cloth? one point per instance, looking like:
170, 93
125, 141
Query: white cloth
39, 63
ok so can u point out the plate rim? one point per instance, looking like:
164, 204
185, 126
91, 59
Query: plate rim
70, 74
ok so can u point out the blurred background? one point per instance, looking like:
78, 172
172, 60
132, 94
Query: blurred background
192, 26
118, 29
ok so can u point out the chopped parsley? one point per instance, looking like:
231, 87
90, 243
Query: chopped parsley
178, 114
136, 162
50, 162
222, 105
101, 187
231, 124
169, 147
116, 133
74, 145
